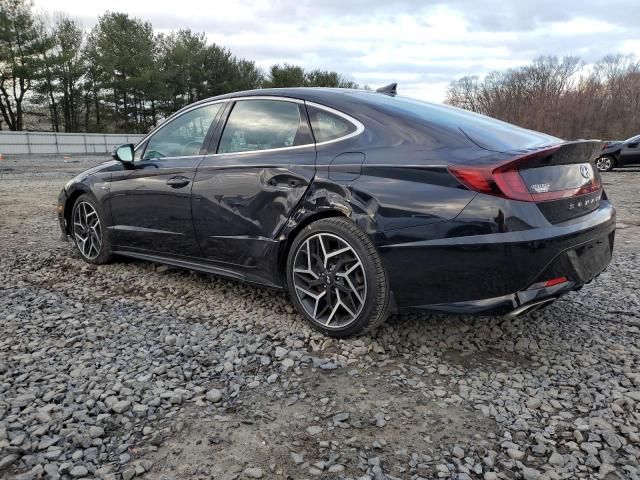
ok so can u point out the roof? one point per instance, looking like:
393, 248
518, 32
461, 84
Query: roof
312, 94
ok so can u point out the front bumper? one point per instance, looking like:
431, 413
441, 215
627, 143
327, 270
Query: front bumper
492, 274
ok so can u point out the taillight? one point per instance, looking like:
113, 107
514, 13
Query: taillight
504, 179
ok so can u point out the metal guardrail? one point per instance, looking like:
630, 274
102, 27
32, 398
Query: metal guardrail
51, 143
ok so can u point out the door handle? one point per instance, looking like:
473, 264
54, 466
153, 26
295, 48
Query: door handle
178, 182
285, 181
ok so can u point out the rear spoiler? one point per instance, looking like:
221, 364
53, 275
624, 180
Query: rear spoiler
577, 151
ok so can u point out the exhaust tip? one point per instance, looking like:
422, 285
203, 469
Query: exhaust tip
529, 307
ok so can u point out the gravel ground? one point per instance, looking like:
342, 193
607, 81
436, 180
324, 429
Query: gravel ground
138, 370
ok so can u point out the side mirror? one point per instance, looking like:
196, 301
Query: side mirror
124, 153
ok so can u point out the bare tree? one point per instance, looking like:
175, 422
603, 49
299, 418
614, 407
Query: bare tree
560, 96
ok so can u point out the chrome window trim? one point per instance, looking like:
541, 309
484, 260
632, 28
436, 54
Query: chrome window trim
179, 113
359, 126
279, 149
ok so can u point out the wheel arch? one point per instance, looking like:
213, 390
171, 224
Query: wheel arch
614, 157
72, 197
323, 199
293, 232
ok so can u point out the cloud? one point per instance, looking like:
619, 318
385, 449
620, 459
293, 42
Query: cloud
422, 45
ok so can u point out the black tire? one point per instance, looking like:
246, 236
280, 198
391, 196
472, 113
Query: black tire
605, 163
373, 310
104, 254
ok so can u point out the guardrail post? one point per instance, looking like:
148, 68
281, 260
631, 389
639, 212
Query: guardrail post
55, 135
28, 143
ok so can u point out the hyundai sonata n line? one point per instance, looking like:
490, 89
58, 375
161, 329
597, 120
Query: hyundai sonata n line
356, 203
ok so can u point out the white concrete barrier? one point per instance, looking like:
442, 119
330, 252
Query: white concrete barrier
51, 143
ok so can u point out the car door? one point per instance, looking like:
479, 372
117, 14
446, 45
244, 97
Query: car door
150, 201
630, 152
245, 192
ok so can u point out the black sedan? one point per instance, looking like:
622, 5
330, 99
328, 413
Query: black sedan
619, 154
357, 203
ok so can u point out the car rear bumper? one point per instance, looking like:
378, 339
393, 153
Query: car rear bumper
493, 274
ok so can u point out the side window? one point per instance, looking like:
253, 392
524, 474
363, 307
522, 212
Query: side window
183, 136
261, 125
327, 126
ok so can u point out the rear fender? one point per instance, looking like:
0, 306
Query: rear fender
324, 199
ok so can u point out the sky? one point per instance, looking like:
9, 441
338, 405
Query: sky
422, 45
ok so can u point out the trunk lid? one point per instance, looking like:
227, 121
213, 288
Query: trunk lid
565, 184
561, 179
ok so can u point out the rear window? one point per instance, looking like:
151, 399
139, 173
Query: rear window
486, 132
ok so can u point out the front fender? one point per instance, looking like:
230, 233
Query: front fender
95, 184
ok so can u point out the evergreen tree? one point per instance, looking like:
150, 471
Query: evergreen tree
21, 58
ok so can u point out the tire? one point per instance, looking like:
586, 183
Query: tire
605, 163
354, 282
87, 230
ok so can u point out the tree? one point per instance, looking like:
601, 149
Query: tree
182, 59
285, 76
294, 76
61, 72
225, 73
559, 96
69, 69
44, 85
21, 50
194, 70
248, 75
91, 85
326, 78
123, 51
120, 76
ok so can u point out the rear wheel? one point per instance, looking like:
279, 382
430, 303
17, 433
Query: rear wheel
605, 163
88, 230
336, 278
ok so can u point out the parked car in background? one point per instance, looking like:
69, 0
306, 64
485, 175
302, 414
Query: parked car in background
357, 203
618, 154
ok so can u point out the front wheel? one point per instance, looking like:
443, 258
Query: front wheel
336, 278
88, 230
605, 163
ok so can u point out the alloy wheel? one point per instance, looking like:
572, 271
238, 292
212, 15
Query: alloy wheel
87, 230
329, 280
603, 164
